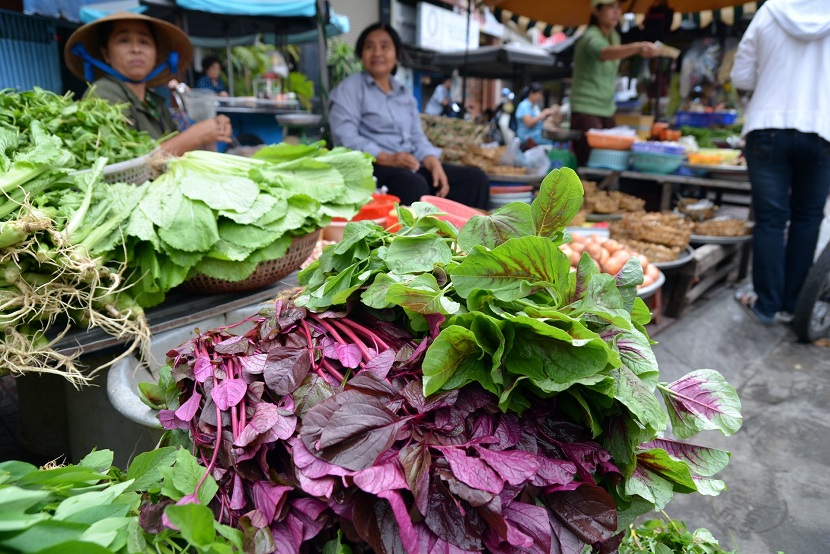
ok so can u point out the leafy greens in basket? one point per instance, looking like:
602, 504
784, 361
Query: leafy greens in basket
442, 390
220, 215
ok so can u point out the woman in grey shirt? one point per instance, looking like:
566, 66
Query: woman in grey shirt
371, 111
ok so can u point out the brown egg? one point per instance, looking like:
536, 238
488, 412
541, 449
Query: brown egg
594, 250
611, 245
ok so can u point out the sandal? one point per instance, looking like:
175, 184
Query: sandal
746, 299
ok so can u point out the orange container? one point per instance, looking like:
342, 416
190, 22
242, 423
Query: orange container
609, 142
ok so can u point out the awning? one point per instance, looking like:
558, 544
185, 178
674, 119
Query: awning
219, 30
563, 15
508, 61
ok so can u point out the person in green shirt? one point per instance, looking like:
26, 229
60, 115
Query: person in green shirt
596, 61
126, 54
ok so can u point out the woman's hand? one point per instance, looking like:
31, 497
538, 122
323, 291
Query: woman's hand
217, 129
649, 49
398, 159
439, 178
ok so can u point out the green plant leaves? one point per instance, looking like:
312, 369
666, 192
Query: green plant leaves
558, 201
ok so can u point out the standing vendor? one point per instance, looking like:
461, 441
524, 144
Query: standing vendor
130, 53
596, 62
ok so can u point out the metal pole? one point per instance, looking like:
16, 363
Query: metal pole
324, 68
229, 64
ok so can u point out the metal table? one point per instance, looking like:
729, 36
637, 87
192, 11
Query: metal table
667, 182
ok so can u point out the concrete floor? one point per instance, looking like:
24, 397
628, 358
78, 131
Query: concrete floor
778, 477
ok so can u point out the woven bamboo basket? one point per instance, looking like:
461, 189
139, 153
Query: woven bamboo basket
658, 228
266, 272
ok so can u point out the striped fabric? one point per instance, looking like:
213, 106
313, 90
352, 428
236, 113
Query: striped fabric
727, 16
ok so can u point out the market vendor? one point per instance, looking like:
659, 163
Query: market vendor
126, 54
530, 116
596, 62
372, 112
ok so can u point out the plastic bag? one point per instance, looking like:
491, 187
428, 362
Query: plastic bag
513, 154
536, 160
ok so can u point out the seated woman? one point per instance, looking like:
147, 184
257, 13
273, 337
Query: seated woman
211, 80
530, 116
130, 53
371, 111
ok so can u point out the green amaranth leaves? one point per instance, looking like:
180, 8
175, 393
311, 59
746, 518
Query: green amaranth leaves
520, 323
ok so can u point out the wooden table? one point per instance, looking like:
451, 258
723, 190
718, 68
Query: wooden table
666, 181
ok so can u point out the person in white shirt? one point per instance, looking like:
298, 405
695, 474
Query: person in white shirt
783, 59
439, 102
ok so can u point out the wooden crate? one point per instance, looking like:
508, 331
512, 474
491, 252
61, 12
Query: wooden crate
712, 265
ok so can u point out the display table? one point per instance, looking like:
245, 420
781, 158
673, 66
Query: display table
254, 118
667, 182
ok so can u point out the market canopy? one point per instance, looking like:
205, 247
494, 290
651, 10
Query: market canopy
555, 15
508, 61
277, 21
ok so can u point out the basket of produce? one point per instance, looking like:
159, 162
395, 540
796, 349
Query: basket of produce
659, 228
266, 272
609, 142
653, 162
603, 158
723, 228
697, 209
135, 171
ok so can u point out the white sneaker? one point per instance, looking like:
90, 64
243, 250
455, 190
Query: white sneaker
784, 317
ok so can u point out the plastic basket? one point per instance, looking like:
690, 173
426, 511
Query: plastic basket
265, 273
609, 159
706, 119
135, 171
655, 147
652, 162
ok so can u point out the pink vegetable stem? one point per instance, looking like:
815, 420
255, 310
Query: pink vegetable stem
365, 332
311, 350
359, 343
216, 447
330, 368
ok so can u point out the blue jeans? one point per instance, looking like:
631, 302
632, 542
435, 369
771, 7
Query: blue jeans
790, 176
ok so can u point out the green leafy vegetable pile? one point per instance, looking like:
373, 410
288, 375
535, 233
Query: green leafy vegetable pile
669, 536
48, 226
436, 390
89, 128
94, 508
221, 215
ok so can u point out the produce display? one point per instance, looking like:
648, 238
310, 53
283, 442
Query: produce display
49, 225
487, 158
89, 128
601, 201
723, 228
609, 255
660, 236
220, 215
80, 253
437, 390
451, 132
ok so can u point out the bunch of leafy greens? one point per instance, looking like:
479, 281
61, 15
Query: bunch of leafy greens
669, 536
158, 505
447, 391
221, 215
48, 280
89, 128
